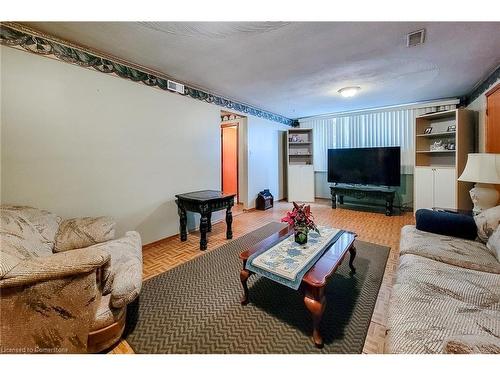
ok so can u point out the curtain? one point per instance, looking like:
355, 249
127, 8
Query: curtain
391, 127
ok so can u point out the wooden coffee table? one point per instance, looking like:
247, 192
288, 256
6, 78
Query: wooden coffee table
314, 281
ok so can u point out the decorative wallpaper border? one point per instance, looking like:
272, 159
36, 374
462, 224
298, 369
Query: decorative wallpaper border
483, 87
34, 43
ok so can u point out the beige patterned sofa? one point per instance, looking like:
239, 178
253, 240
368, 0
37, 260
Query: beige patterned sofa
64, 284
446, 296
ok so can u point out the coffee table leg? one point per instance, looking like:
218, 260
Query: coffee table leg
352, 252
315, 302
244, 275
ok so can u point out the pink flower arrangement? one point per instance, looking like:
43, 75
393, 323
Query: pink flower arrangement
300, 218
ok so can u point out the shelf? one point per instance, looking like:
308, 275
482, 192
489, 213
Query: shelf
298, 143
300, 155
436, 152
438, 115
440, 134
436, 166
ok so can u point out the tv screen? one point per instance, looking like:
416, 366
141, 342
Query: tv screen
366, 166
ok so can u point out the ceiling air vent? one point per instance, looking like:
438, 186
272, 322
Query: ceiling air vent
174, 86
415, 38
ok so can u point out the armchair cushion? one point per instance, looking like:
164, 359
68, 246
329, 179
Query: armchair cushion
83, 232
105, 314
44, 221
451, 250
446, 223
123, 279
19, 241
55, 266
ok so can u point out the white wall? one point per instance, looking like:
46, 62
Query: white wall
78, 142
266, 158
479, 105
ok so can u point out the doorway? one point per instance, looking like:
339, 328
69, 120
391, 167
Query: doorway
229, 161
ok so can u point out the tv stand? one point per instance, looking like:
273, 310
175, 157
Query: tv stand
360, 192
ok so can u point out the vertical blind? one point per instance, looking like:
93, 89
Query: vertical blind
391, 127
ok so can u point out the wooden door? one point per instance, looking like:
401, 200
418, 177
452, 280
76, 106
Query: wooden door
424, 187
493, 120
445, 188
229, 140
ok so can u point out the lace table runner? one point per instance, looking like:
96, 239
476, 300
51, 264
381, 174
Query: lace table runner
287, 262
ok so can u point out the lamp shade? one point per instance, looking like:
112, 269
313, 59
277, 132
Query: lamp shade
482, 168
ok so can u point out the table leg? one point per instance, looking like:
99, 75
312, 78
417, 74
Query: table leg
352, 255
183, 223
315, 302
209, 217
244, 275
341, 199
388, 206
334, 200
229, 222
203, 232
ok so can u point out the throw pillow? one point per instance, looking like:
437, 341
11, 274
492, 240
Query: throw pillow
446, 224
494, 243
487, 222
84, 232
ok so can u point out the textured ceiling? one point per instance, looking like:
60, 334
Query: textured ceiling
296, 68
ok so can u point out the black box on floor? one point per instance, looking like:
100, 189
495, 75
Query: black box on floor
264, 200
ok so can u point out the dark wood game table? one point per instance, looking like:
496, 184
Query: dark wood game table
204, 202
314, 281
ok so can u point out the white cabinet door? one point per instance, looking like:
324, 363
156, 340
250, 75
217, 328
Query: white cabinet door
301, 183
445, 192
308, 189
424, 187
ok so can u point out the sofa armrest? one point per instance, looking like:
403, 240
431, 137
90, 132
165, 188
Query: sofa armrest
83, 232
59, 265
123, 278
446, 223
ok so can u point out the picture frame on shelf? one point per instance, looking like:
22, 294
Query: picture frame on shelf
428, 130
452, 128
438, 146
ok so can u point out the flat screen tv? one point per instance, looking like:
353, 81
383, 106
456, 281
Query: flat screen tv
365, 166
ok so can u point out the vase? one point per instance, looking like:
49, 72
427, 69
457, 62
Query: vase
301, 236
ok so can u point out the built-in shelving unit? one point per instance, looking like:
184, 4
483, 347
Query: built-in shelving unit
442, 142
300, 165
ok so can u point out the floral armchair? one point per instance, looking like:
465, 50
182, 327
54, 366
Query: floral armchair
64, 284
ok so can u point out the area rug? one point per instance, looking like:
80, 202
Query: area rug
195, 308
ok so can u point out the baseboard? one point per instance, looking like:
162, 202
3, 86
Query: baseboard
196, 228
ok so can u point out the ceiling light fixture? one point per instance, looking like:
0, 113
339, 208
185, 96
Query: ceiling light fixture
348, 92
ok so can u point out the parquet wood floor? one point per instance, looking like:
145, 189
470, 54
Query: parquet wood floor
370, 226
